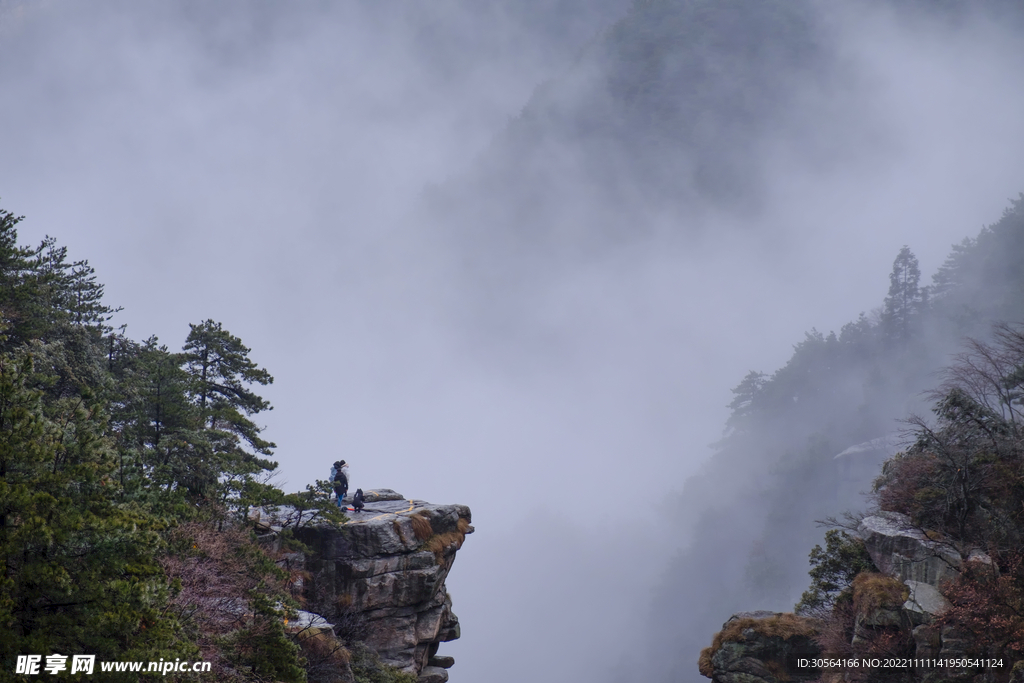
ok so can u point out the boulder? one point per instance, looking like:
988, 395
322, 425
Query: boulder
925, 601
441, 662
762, 647
900, 549
432, 674
307, 620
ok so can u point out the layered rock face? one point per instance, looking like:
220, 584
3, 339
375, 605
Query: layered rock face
900, 550
383, 575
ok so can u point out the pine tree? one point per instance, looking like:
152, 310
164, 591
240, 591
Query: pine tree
78, 571
15, 265
746, 395
220, 371
161, 439
905, 300
74, 295
105, 445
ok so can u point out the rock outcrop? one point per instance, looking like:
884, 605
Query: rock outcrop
381, 576
922, 563
899, 549
762, 647
904, 598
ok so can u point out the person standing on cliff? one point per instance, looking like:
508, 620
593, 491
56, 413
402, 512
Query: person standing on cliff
339, 478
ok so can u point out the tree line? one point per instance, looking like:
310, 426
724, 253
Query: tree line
126, 474
776, 461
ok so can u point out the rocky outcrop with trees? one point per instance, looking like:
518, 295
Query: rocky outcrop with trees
137, 521
933, 574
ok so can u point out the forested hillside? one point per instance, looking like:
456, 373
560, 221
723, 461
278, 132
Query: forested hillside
126, 472
957, 485
776, 470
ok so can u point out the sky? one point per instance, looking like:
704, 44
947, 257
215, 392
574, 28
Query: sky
263, 165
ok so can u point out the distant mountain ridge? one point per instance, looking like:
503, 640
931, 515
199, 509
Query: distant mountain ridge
679, 108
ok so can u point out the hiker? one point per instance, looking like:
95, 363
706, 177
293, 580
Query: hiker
339, 478
338, 464
357, 501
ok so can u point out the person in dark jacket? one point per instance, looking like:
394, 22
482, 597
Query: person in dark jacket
340, 481
357, 501
338, 465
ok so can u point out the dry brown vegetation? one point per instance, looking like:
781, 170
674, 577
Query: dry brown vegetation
216, 573
322, 646
778, 669
439, 543
837, 631
421, 526
213, 594
873, 591
783, 626
324, 652
704, 664
987, 604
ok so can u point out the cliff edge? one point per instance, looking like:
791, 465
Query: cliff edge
379, 578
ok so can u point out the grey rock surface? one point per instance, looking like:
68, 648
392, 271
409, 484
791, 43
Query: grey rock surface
925, 601
927, 641
432, 674
899, 549
441, 662
381, 495
384, 572
763, 658
924, 564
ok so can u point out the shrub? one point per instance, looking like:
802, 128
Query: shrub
987, 604
832, 572
367, 668
873, 591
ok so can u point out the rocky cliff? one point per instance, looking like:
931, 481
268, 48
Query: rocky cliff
378, 579
901, 602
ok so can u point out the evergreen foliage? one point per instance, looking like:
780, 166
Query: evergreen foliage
367, 668
905, 300
779, 452
79, 569
126, 471
833, 569
961, 482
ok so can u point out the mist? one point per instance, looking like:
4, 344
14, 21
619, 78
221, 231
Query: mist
268, 167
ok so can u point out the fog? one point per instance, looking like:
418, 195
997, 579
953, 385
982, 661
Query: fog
265, 166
